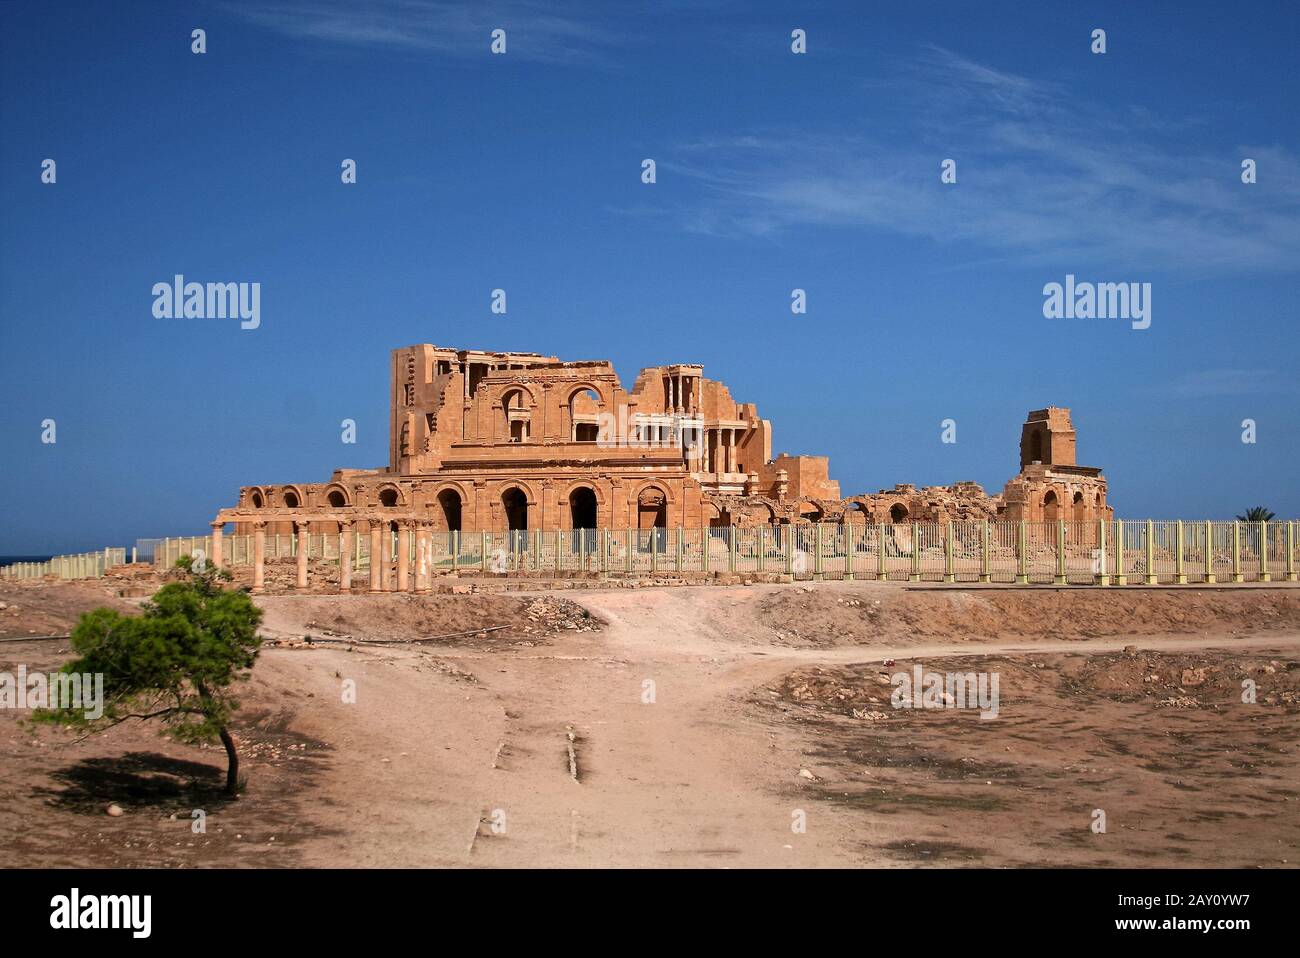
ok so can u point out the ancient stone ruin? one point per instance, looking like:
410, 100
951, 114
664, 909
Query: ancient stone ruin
494, 442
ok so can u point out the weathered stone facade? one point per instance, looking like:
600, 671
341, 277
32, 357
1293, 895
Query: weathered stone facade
487, 441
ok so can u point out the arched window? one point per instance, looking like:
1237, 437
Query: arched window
515, 408
652, 509
582, 508
898, 513
449, 503
584, 410
515, 504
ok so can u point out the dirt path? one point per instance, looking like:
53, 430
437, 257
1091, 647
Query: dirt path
654, 733
696, 778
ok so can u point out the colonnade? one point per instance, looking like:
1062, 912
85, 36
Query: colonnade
401, 577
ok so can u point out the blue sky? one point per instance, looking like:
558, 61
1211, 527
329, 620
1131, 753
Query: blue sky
522, 171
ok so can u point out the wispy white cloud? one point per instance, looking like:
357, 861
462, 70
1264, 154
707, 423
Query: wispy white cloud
535, 31
1042, 177
1211, 383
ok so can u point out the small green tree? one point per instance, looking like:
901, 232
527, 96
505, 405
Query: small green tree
1256, 514
176, 661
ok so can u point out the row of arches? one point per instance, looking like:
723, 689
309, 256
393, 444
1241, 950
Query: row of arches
1078, 509
580, 414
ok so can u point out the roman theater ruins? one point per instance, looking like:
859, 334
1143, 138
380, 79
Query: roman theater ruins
498, 442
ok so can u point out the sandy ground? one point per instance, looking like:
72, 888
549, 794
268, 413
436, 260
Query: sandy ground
694, 727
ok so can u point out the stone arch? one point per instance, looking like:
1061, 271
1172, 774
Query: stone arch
518, 429
856, 511
810, 511
515, 505
449, 506
292, 497
390, 495
337, 496
573, 389
899, 513
454, 486
257, 498
1051, 506
1080, 508
666, 490
652, 500
508, 388
570, 408
584, 506
595, 487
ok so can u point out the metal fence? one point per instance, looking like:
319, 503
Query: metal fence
1102, 552
83, 565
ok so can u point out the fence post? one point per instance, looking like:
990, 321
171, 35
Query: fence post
789, 550
1022, 554
915, 574
882, 572
762, 547
654, 549
1151, 553
603, 564
1060, 552
849, 549
1180, 574
482, 557
1118, 549
1290, 551
681, 534
1236, 553
949, 570
704, 548
986, 553
817, 552
1209, 551
630, 534
1264, 574
1103, 578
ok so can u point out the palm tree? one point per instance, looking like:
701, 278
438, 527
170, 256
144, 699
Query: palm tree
1256, 514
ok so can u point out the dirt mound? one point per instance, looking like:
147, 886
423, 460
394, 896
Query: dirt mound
451, 619
1162, 744
51, 608
1162, 679
824, 617
1186, 680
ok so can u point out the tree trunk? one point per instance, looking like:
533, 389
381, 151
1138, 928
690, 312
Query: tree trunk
232, 768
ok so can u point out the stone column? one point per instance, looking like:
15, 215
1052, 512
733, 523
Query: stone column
303, 548
259, 556
216, 544
345, 559
423, 555
377, 556
404, 555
